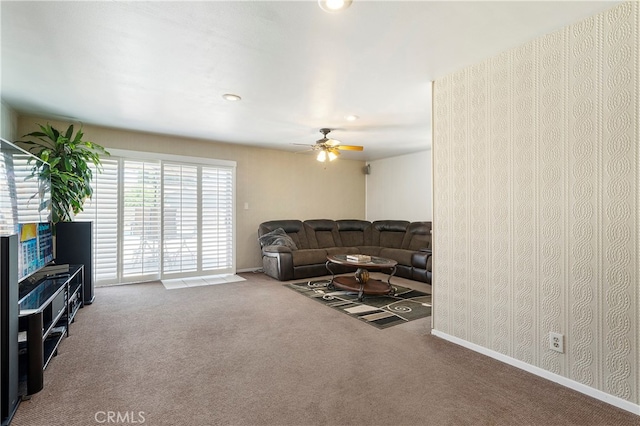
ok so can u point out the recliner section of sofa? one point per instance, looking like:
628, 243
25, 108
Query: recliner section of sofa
408, 243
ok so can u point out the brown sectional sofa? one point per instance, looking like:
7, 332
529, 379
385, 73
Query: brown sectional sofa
305, 254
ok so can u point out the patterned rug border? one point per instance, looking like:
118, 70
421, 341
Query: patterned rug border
380, 311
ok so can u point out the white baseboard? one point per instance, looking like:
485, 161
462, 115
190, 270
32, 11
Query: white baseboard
572, 384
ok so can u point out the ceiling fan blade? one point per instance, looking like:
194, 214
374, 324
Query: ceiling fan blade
332, 142
350, 147
301, 144
305, 151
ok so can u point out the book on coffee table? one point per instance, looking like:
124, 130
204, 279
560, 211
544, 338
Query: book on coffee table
360, 258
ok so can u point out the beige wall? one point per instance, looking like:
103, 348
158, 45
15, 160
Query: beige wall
536, 174
275, 184
8, 123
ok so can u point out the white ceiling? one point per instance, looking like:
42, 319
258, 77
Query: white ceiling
162, 66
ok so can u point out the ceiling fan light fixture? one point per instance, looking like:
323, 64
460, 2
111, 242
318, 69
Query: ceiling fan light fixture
329, 149
333, 6
327, 154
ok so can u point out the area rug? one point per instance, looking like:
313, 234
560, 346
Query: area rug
380, 311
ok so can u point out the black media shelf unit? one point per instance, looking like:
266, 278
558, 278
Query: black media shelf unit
46, 309
9, 398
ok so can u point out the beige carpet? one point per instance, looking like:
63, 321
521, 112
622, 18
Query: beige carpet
257, 353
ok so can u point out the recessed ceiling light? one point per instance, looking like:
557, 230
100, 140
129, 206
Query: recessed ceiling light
351, 117
334, 5
231, 97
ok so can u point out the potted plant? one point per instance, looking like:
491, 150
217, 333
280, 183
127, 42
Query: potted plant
65, 159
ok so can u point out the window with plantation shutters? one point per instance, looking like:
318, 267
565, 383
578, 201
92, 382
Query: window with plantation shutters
217, 218
28, 192
180, 204
161, 218
141, 185
8, 196
102, 210
29, 197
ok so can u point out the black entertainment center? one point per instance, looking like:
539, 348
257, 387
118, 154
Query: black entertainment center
9, 326
46, 311
38, 299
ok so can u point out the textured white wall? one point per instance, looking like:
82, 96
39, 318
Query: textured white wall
536, 223
399, 188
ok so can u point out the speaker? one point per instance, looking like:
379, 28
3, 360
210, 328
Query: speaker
9, 367
74, 246
367, 169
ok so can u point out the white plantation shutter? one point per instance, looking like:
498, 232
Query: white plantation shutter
102, 210
141, 219
217, 219
158, 218
180, 218
8, 205
28, 192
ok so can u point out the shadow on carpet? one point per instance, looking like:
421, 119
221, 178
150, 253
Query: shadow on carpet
380, 311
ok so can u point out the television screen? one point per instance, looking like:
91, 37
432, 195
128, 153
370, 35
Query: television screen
35, 247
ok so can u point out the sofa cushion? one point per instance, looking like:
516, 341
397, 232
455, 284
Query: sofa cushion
388, 233
353, 232
322, 233
342, 250
277, 237
418, 236
309, 257
403, 257
370, 250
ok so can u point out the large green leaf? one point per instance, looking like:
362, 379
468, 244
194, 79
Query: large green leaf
69, 132
69, 159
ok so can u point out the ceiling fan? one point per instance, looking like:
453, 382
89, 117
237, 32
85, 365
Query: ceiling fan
329, 149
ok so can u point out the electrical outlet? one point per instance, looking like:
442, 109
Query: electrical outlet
556, 342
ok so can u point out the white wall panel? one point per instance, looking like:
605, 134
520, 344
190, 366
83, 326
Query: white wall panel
552, 177
399, 188
536, 200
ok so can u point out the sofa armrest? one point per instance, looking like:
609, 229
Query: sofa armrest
277, 262
420, 258
275, 250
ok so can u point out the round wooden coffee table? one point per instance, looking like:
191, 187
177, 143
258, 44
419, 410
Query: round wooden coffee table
360, 281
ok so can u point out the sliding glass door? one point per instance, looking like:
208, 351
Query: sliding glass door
140, 239
180, 208
161, 218
217, 217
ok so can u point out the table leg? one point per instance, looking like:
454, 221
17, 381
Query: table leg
361, 276
393, 272
330, 286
